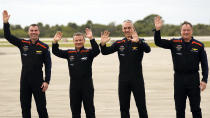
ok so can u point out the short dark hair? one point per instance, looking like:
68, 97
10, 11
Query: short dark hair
79, 34
33, 25
186, 23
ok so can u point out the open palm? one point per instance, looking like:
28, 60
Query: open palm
58, 36
158, 22
89, 33
5, 16
105, 37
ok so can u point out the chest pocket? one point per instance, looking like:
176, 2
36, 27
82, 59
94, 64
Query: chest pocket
78, 58
31, 51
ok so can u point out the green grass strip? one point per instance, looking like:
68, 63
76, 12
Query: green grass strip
151, 44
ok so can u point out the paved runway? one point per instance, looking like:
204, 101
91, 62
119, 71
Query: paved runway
158, 76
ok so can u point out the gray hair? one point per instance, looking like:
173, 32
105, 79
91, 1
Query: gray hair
128, 21
79, 34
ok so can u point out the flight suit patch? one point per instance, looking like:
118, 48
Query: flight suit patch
38, 52
122, 48
25, 48
135, 48
84, 58
194, 50
178, 47
71, 58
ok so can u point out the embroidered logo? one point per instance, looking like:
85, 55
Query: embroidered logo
71, 58
25, 48
178, 47
194, 50
134, 48
84, 58
179, 53
122, 48
38, 52
25, 54
71, 64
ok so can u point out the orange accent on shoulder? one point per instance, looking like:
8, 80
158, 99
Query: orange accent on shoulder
193, 42
71, 51
41, 45
122, 41
84, 51
25, 41
177, 41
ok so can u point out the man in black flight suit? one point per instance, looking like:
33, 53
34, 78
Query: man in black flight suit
34, 54
187, 53
130, 53
80, 70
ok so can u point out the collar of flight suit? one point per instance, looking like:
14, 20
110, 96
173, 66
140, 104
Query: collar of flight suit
82, 48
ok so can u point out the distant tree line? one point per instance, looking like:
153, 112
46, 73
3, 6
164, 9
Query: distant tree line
143, 27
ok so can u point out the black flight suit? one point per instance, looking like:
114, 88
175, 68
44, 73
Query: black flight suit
130, 77
186, 58
33, 56
81, 83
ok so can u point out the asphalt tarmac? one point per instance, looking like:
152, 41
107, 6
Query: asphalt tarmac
158, 77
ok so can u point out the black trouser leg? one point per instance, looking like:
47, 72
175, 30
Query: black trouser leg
194, 98
179, 96
87, 97
124, 98
25, 99
40, 100
75, 102
194, 95
139, 95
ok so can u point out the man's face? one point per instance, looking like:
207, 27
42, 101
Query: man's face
127, 29
33, 32
186, 31
79, 42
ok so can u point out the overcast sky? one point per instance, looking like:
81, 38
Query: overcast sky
52, 12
